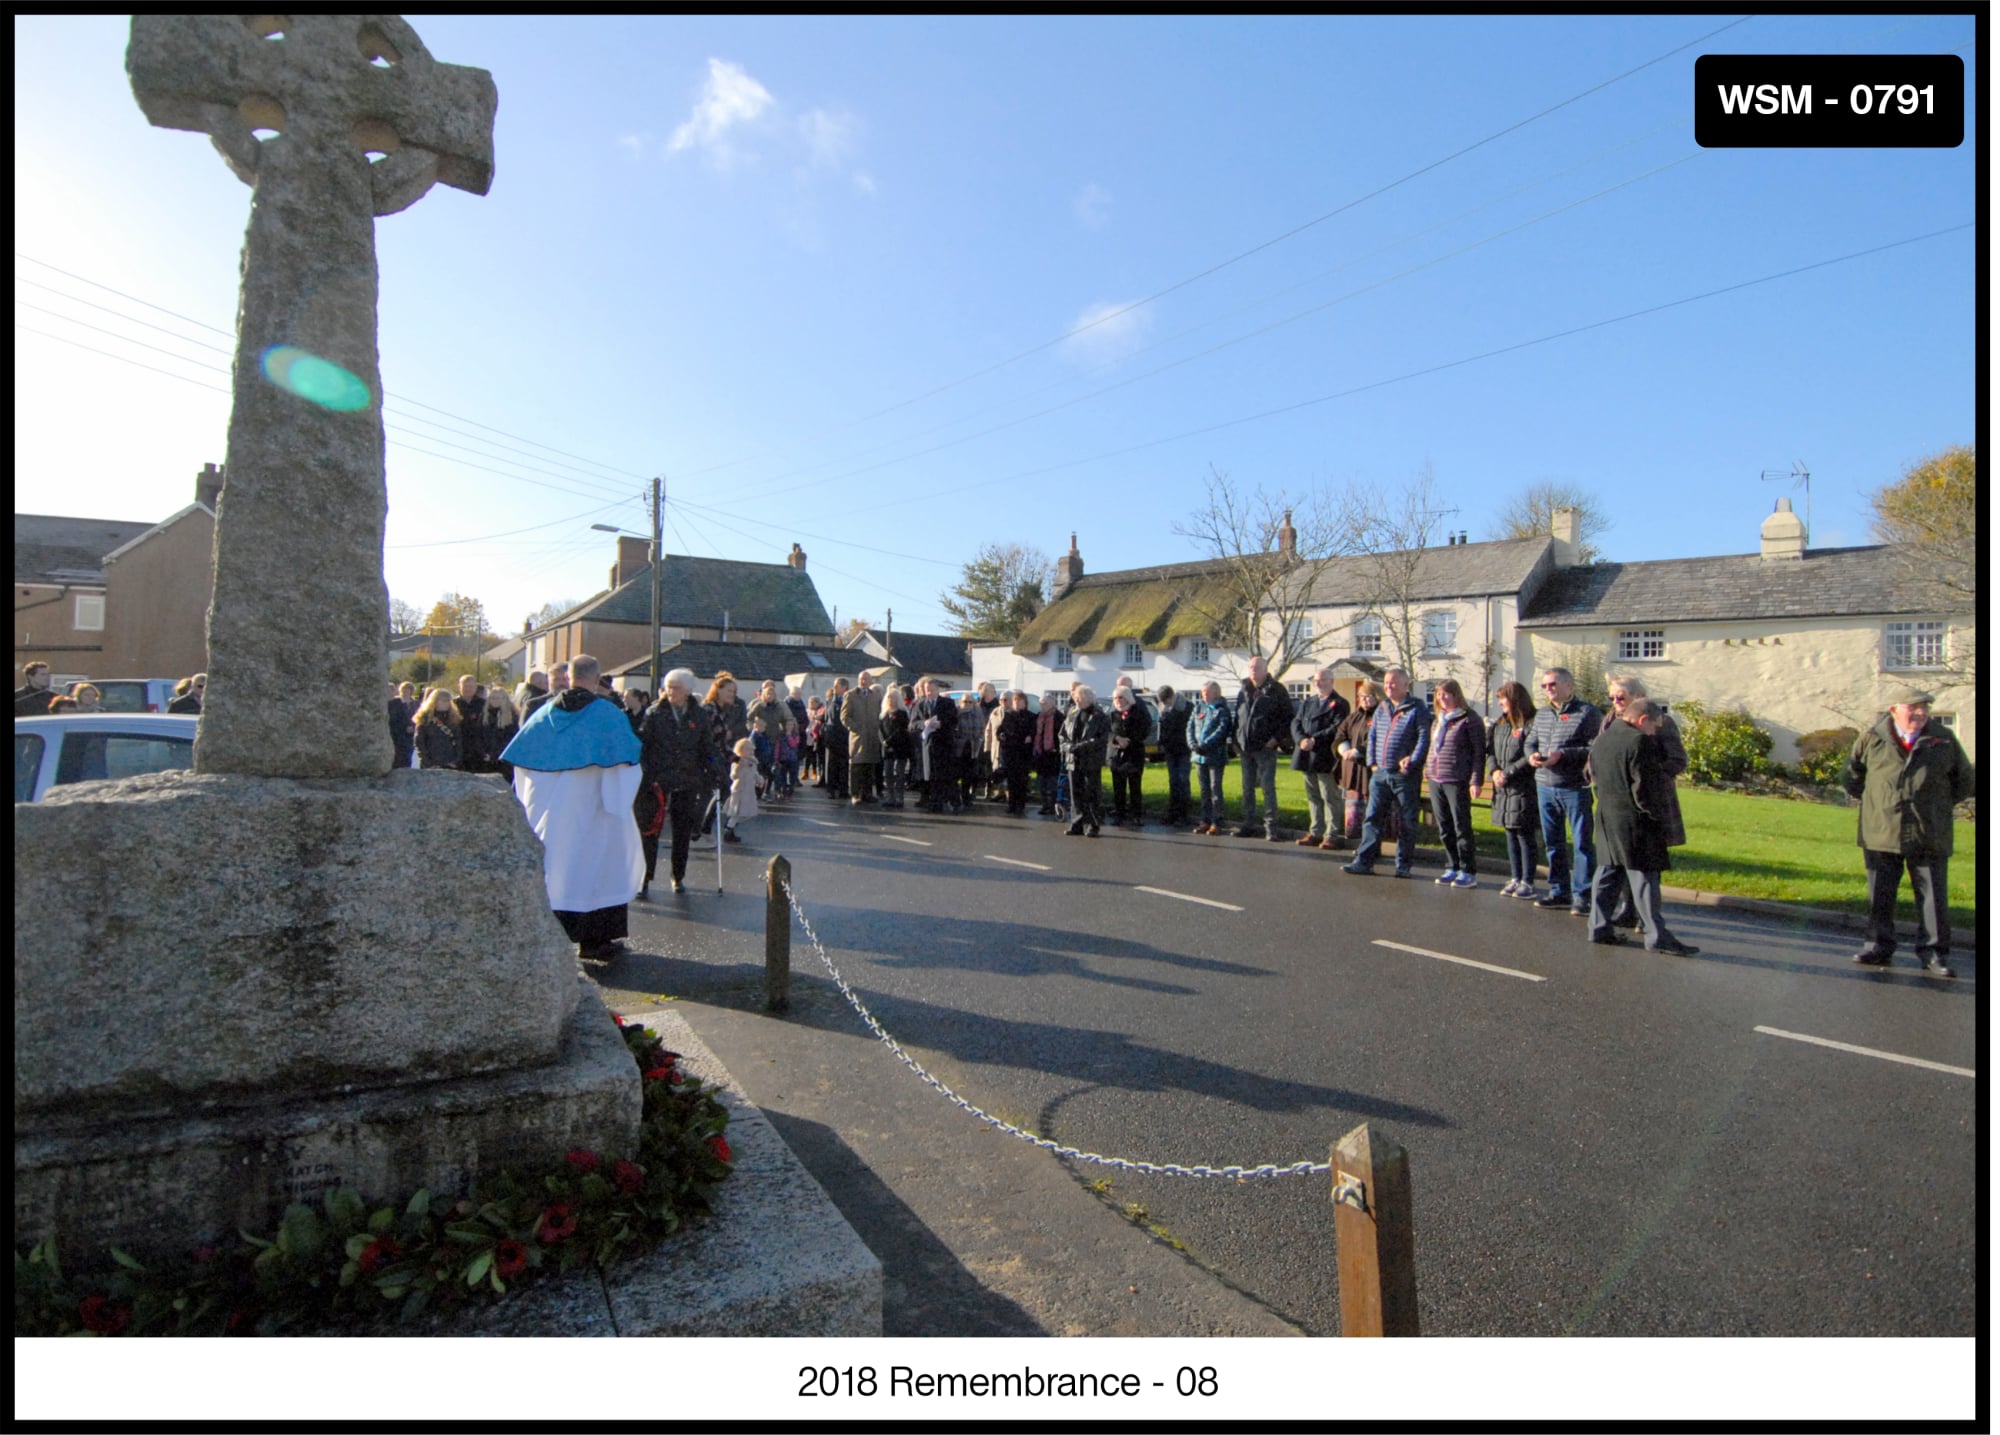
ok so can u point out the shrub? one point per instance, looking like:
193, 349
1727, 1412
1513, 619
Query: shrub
1721, 746
1822, 753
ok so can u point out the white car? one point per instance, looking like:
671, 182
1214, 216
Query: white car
90, 747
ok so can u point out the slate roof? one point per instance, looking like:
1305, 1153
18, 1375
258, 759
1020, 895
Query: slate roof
694, 592
939, 653
1825, 583
67, 550
752, 663
1457, 570
1153, 605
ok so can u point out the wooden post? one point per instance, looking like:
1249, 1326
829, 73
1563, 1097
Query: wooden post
777, 936
1374, 1244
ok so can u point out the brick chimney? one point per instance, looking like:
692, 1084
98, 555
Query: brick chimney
1288, 537
631, 559
796, 559
1069, 568
1783, 535
208, 486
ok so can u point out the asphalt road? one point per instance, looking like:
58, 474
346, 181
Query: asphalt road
1614, 1149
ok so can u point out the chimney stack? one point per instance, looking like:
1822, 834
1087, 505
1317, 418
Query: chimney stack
632, 555
1069, 568
1288, 537
796, 559
208, 486
1783, 535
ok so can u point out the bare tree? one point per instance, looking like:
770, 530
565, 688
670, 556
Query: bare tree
1531, 514
404, 617
550, 611
1265, 590
1393, 526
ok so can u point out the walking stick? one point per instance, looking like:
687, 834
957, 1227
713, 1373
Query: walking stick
721, 824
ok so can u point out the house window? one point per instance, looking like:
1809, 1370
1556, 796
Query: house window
1063, 658
1441, 631
791, 640
1197, 653
1298, 635
1134, 654
1911, 645
670, 636
1298, 690
1639, 645
1368, 635
90, 613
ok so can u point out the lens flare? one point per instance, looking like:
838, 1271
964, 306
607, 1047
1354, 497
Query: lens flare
314, 379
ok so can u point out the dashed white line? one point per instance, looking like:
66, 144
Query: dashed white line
1868, 1051
1013, 862
817, 822
913, 841
1462, 961
1184, 897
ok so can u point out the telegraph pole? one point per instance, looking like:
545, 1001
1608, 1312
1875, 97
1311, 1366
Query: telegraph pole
656, 677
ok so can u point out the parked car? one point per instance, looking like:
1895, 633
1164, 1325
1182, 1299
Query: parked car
90, 747
135, 695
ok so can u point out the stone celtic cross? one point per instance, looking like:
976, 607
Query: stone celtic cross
361, 121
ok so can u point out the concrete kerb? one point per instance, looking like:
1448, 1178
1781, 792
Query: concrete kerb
1967, 937
775, 1258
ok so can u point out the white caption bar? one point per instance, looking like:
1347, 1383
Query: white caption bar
1184, 897
1462, 961
1015, 862
1868, 1051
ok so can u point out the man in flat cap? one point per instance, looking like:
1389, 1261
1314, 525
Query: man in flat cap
1908, 773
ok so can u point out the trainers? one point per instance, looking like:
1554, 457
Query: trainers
1449, 878
1513, 886
1465, 879
1405, 872
1873, 957
1526, 892
1672, 948
1556, 898
1937, 966
1359, 869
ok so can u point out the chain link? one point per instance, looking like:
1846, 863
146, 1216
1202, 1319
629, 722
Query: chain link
1150, 1168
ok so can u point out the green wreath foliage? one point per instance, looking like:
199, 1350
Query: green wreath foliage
346, 1263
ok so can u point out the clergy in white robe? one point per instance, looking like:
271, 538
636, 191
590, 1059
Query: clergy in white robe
576, 772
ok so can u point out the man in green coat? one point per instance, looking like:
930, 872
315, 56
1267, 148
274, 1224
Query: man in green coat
1909, 773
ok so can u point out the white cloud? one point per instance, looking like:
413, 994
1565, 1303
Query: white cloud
864, 181
830, 136
1093, 206
634, 144
1105, 333
730, 100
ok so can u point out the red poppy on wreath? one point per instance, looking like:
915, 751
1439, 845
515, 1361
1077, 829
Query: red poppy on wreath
377, 1254
660, 1073
103, 1317
628, 1178
203, 1254
558, 1223
618, 1020
510, 1258
719, 1148
583, 1160
675, 1076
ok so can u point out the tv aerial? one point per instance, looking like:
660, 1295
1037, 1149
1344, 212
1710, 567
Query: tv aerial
1801, 478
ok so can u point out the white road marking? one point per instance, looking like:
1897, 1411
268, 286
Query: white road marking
1011, 862
1868, 1051
1184, 897
1462, 961
914, 842
819, 823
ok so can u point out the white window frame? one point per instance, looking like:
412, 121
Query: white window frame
1633, 643
791, 640
92, 603
1901, 640
1367, 634
1298, 690
1062, 659
1133, 653
1440, 616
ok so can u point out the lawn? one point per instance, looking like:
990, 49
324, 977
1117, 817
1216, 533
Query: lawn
1768, 847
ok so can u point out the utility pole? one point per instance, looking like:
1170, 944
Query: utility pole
654, 676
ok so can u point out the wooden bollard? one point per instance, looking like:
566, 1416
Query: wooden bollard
1374, 1243
777, 936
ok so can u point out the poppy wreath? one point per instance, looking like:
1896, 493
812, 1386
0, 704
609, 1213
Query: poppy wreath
348, 1264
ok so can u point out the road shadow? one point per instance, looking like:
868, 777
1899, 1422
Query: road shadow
926, 1290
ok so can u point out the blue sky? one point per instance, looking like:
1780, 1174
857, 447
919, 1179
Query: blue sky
818, 272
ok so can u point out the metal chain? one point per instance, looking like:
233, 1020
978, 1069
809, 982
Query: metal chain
1150, 1168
